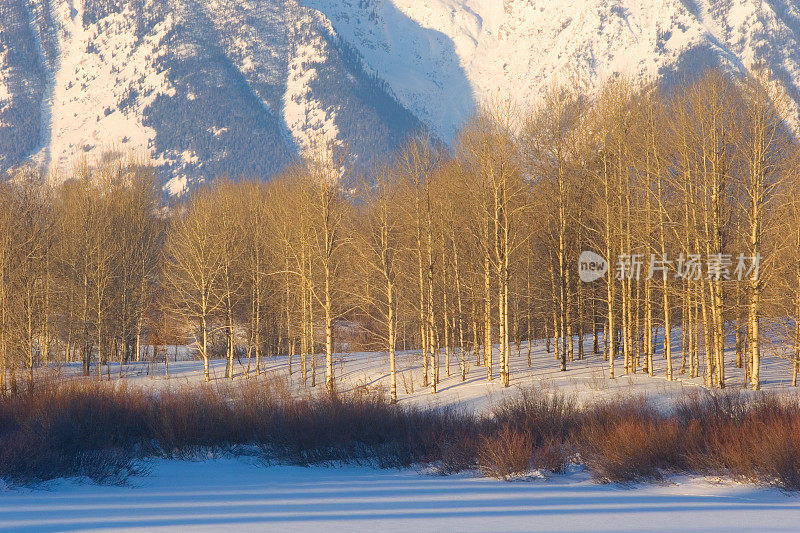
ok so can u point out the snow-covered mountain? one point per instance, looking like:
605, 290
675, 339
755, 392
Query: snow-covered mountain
240, 87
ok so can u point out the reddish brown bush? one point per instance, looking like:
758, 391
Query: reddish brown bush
552, 455
505, 453
83, 427
632, 449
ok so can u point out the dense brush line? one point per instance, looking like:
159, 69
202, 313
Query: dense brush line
449, 252
100, 429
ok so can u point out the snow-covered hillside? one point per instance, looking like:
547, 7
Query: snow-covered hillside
234, 87
239, 87
442, 56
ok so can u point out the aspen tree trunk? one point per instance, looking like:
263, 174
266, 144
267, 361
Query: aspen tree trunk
747, 364
755, 351
648, 286
328, 332
423, 322
3, 342
120, 350
557, 339
289, 337
648, 326
432, 333
391, 328
529, 325
757, 198
29, 334
796, 355
476, 343
559, 354
311, 346
515, 316
563, 301
568, 318
286, 304
667, 323
796, 362
507, 356
86, 348
625, 245
204, 346
635, 329
487, 319
685, 322
229, 333
739, 320
546, 336
565, 332
250, 342
459, 303
257, 336
446, 324
709, 346
719, 337
505, 290
610, 328
695, 332
99, 317
500, 240
305, 303
715, 288
47, 312
595, 332
580, 297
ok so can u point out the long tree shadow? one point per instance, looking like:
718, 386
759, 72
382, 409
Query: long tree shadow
229, 494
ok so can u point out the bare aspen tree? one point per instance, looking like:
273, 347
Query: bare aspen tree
197, 265
254, 233
6, 262
378, 250
30, 231
498, 192
416, 162
764, 148
552, 134
610, 116
328, 219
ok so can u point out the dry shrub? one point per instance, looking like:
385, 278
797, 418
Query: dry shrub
755, 439
457, 454
505, 453
54, 429
631, 449
552, 455
99, 429
546, 416
777, 455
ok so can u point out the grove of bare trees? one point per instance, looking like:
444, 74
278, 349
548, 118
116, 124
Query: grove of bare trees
461, 255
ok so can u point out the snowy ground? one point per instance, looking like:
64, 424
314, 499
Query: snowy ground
244, 494
587, 380
238, 495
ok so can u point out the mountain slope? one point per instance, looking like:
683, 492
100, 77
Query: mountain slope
515, 48
241, 87
236, 87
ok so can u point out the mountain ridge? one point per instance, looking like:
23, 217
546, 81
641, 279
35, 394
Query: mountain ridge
241, 87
